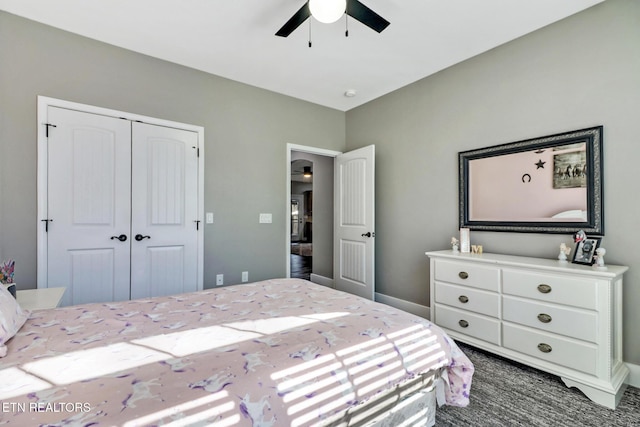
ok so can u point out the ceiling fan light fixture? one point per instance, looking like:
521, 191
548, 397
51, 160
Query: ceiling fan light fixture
327, 11
307, 172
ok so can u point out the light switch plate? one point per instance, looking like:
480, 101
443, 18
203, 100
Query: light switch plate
209, 218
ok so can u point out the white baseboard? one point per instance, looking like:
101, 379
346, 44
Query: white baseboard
634, 376
321, 280
408, 306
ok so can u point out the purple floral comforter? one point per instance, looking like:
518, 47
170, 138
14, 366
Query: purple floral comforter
272, 353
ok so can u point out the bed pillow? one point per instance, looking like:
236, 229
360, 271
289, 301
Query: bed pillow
12, 317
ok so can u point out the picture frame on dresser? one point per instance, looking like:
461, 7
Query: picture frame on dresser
585, 251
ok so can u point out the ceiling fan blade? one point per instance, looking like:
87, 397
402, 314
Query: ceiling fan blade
367, 16
295, 21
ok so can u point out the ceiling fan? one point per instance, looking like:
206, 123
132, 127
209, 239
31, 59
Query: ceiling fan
354, 8
305, 172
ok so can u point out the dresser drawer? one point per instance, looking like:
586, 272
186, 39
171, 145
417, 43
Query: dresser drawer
468, 274
551, 348
470, 299
574, 291
467, 323
571, 322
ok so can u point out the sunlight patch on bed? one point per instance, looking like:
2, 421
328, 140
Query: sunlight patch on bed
356, 371
94, 362
218, 412
302, 367
279, 324
311, 375
184, 343
14, 382
192, 341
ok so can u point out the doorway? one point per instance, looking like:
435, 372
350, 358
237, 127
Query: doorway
348, 261
301, 218
310, 211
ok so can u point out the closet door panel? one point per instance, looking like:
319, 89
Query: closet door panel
164, 211
89, 174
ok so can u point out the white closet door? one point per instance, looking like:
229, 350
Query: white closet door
89, 175
164, 186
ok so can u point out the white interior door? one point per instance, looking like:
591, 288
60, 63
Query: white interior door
354, 222
164, 219
89, 175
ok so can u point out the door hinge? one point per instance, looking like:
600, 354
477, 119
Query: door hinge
197, 221
47, 126
46, 224
198, 152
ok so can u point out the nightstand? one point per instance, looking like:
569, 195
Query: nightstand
39, 299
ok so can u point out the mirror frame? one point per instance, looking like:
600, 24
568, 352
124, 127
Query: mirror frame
594, 224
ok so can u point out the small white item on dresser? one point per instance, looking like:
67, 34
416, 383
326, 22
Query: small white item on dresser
600, 265
465, 240
564, 251
564, 319
455, 244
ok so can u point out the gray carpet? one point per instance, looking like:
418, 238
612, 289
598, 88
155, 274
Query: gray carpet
505, 393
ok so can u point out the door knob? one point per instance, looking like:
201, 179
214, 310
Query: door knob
140, 237
122, 237
368, 234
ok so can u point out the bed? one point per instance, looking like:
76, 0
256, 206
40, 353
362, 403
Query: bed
282, 352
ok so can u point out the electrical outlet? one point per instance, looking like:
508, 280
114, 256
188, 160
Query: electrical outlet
245, 276
220, 279
265, 218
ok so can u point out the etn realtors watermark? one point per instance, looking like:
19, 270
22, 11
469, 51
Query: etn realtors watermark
55, 407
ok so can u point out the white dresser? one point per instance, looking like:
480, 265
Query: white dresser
562, 318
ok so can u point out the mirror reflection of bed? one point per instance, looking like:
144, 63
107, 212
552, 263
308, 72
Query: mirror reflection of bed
571, 215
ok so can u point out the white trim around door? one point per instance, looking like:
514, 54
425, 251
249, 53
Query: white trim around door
303, 149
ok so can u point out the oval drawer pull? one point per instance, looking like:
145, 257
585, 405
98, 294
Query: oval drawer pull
545, 289
463, 299
545, 348
463, 323
463, 275
544, 318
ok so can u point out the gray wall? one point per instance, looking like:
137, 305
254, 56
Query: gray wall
246, 132
577, 73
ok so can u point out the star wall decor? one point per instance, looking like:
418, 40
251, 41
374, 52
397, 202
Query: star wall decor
540, 164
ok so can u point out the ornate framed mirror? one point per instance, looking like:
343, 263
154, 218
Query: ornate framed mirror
551, 184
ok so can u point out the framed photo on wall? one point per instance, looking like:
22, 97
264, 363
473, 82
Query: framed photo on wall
585, 250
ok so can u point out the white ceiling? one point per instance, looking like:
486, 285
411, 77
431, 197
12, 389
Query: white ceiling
235, 38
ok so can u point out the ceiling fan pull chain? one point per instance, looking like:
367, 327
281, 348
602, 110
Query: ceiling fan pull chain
346, 25
310, 32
